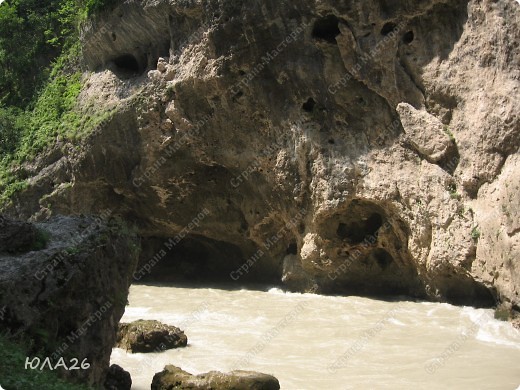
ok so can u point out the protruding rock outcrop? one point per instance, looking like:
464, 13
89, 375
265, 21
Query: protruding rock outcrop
69, 297
426, 133
174, 378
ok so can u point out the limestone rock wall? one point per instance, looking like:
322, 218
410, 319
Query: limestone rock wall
341, 147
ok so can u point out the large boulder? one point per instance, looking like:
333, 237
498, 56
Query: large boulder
149, 336
68, 298
174, 378
117, 379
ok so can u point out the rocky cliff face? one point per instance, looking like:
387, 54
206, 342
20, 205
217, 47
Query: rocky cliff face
341, 147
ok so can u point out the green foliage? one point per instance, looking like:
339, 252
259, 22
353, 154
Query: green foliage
452, 188
14, 376
42, 239
23, 134
10, 129
40, 80
9, 185
475, 233
93, 6
73, 250
53, 112
32, 34
449, 133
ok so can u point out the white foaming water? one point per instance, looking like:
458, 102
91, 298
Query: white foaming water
312, 342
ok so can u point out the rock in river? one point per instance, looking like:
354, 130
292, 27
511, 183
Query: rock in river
174, 378
149, 336
118, 379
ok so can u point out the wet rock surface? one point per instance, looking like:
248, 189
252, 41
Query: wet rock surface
117, 379
174, 378
149, 336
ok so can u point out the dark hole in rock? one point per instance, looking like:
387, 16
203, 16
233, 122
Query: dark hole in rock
408, 37
466, 291
197, 259
378, 274
128, 63
357, 231
309, 105
383, 258
388, 28
292, 249
331, 141
374, 222
114, 37
326, 29
342, 231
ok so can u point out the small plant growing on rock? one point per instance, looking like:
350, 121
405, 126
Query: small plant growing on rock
169, 93
475, 233
42, 238
449, 133
453, 192
501, 314
73, 250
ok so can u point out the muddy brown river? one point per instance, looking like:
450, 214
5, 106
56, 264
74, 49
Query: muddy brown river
314, 342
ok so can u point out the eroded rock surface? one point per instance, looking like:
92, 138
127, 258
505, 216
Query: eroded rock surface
117, 379
426, 133
69, 297
149, 336
16, 236
174, 378
282, 121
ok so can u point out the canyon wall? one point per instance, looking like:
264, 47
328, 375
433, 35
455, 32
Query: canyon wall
338, 147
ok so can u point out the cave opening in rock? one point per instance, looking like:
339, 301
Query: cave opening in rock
309, 105
326, 29
463, 290
197, 259
379, 274
376, 273
357, 231
292, 249
388, 28
127, 63
408, 37
383, 258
